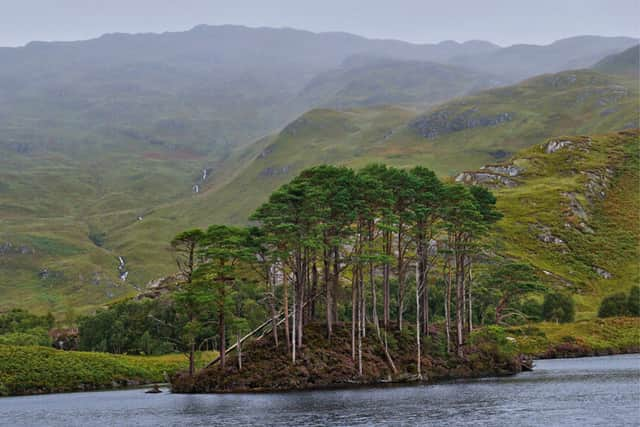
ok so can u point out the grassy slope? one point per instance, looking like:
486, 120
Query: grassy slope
47, 201
544, 106
32, 370
582, 338
540, 201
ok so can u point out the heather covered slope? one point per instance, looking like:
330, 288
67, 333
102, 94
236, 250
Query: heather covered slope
572, 209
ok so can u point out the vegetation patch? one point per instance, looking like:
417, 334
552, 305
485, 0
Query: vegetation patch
36, 370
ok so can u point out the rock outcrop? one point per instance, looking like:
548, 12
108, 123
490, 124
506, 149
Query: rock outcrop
485, 178
444, 122
602, 273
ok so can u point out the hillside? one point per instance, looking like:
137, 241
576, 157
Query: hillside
457, 135
572, 209
370, 81
66, 222
625, 63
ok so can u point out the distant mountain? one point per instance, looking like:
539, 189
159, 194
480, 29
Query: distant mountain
521, 61
370, 81
624, 63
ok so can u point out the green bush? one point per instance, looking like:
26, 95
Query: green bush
633, 302
558, 307
36, 336
18, 320
493, 340
613, 305
27, 370
532, 309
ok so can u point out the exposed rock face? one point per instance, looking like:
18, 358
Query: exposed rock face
161, 286
8, 248
554, 146
485, 178
275, 171
444, 122
545, 235
550, 238
561, 80
602, 272
577, 213
598, 184
508, 170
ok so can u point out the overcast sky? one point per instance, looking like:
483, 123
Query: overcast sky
501, 21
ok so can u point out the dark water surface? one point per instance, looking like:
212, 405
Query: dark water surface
569, 392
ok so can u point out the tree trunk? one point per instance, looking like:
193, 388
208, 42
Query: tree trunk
285, 297
361, 320
293, 336
314, 289
192, 354
336, 282
354, 309
470, 302
239, 349
418, 329
274, 314
447, 305
223, 338
401, 281
325, 277
302, 276
385, 278
459, 306
374, 299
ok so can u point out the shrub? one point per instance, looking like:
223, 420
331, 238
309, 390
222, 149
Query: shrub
558, 307
613, 305
493, 340
36, 336
532, 309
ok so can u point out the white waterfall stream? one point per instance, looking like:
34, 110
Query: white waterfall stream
122, 269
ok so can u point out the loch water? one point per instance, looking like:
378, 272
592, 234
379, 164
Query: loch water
592, 391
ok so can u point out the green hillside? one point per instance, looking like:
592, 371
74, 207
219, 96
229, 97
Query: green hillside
576, 102
65, 222
572, 209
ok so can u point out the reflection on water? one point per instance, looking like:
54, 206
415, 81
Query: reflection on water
570, 392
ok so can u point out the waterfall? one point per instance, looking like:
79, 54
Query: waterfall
196, 188
204, 174
122, 269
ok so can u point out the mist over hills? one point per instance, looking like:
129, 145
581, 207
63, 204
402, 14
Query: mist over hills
625, 63
109, 146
